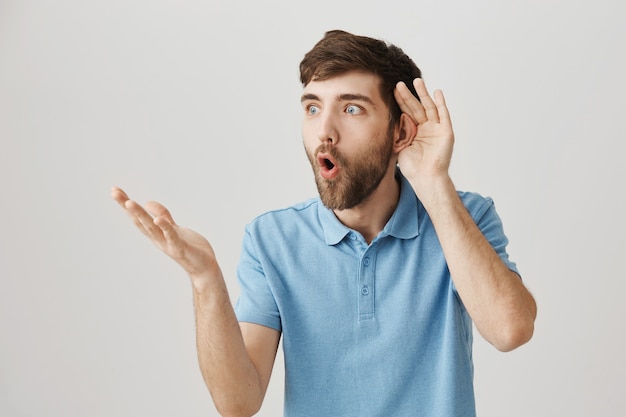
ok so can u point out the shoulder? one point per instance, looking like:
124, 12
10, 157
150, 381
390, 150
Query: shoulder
476, 203
301, 212
282, 231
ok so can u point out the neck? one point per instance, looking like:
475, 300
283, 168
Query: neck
371, 216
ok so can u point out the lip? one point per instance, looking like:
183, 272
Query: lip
327, 165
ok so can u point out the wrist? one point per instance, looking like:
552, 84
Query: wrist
434, 190
205, 280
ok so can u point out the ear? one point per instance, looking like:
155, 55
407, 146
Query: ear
404, 133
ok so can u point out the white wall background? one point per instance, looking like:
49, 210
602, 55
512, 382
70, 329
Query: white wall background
196, 104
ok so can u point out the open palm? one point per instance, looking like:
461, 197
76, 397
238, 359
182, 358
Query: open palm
430, 152
185, 246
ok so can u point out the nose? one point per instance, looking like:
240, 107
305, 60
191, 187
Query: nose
327, 128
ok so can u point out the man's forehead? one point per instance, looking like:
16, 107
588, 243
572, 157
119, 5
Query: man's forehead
362, 84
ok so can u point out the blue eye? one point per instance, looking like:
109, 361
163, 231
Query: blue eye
311, 109
353, 109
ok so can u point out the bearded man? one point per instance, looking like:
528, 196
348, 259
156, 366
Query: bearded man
375, 285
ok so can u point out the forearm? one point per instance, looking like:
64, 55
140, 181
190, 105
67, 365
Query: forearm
495, 297
226, 367
228, 372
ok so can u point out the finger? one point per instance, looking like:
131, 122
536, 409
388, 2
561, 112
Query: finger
159, 210
427, 102
409, 104
175, 245
442, 108
127, 204
168, 229
119, 195
143, 220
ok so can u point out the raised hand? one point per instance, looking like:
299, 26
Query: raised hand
430, 152
188, 248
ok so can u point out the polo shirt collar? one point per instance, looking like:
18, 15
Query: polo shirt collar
403, 224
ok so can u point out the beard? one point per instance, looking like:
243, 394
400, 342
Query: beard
358, 178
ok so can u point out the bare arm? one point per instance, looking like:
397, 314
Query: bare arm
235, 361
495, 297
499, 304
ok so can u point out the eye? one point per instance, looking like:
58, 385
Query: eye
353, 110
312, 109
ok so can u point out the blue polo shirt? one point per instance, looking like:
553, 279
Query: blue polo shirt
372, 330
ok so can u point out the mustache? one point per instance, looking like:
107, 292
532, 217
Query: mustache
332, 151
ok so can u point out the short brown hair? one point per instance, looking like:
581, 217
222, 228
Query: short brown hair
339, 52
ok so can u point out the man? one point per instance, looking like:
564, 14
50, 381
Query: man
375, 284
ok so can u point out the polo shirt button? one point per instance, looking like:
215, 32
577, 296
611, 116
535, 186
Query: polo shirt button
365, 290
366, 261
352, 236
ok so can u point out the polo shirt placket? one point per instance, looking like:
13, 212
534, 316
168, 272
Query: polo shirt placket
367, 284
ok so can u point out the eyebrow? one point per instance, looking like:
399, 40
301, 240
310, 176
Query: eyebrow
340, 97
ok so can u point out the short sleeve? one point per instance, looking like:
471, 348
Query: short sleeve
256, 302
490, 225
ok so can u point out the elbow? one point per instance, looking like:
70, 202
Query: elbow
227, 408
518, 329
514, 337
230, 411
516, 332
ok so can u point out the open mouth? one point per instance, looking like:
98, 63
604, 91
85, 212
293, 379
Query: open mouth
328, 166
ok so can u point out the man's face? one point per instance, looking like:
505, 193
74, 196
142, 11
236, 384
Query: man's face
346, 137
